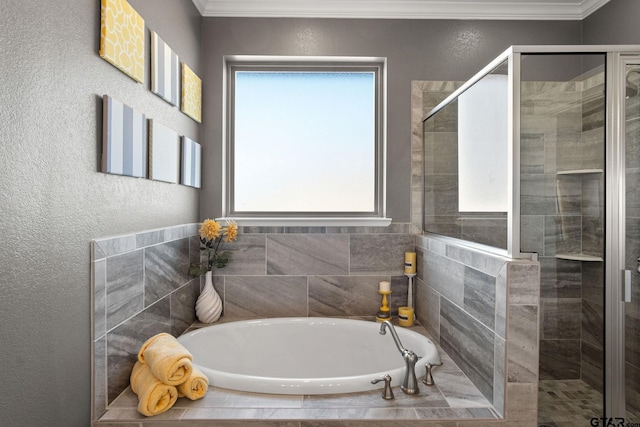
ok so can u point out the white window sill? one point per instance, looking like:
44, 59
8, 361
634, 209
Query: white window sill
309, 222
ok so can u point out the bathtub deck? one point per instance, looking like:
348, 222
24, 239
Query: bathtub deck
454, 397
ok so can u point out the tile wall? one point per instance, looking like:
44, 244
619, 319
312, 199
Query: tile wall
441, 210
141, 287
563, 130
482, 309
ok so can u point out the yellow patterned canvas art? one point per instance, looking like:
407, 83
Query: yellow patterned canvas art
191, 94
122, 37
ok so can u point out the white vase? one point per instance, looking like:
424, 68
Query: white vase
209, 303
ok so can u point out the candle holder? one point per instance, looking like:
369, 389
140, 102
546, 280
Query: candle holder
383, 313
410, 289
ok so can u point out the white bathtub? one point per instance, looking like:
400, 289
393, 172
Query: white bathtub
306, 355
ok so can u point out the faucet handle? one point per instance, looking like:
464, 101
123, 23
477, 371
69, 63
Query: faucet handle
428, 378
388, 392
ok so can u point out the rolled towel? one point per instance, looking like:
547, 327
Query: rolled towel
169, 361
154, 397
195, 387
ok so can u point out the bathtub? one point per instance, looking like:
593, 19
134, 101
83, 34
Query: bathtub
305, 355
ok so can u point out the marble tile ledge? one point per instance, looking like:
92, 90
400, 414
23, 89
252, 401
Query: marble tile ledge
453, 398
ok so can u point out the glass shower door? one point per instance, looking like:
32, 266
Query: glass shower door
632, 242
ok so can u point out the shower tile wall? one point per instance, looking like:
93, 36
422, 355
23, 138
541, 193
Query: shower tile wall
563, 130
441, 210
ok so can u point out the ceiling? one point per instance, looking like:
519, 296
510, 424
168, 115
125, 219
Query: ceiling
403, 9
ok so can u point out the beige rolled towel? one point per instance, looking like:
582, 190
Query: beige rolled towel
195, 387
154, 397
169, 361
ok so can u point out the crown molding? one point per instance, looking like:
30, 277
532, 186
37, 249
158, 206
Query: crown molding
402, 9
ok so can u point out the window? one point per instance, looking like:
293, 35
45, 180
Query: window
305, 138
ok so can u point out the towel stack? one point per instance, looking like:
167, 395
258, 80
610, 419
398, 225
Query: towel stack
163, 373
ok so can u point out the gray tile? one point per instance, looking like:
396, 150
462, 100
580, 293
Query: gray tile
99, 383
446, 225
559, 359
166, 268
538, 195
532, 233
560, 278
379, 253
265, 296
441, 194
125, 287
499, 375
99, 281
247, 256
486, 231
183, 303
593, 235
308, 254
560, 318
344, 295
592, 365
457, 388
124, 342
445, 276
469, 344
116, 245
562, 234
524, 283
501, 303
522, 344
428, 308
149, 238
480, 296
481, 261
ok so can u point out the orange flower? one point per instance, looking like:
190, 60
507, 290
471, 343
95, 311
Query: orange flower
210, 229
231, 232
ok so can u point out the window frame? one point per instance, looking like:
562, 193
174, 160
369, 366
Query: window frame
377, 65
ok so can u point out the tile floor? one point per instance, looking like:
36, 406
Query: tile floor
568, 403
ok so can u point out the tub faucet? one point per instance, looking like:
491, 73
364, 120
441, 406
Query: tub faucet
410, 383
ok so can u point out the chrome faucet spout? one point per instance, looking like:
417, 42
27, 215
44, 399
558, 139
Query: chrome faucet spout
396, 339
410, 383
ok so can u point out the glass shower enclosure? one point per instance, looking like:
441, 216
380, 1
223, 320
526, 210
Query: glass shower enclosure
538, 156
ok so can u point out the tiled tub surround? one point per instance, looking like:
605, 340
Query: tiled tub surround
141, 284
258, 283
483, 310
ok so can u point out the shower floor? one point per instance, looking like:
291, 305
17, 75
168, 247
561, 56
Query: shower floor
567, 403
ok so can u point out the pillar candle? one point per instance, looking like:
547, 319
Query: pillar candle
409, 263
385, 286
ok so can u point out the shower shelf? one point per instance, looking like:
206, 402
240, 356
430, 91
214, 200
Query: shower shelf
579, 172
579, 257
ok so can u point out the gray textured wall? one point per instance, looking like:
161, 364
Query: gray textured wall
53, 200
617, 22
416, 50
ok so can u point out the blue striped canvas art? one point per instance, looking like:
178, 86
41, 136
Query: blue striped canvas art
124, 139
164, 70
191, 161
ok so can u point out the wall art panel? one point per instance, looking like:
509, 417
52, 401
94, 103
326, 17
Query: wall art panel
164, 70
122, 37
191, 94
124, 140
164, 153
191, 162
